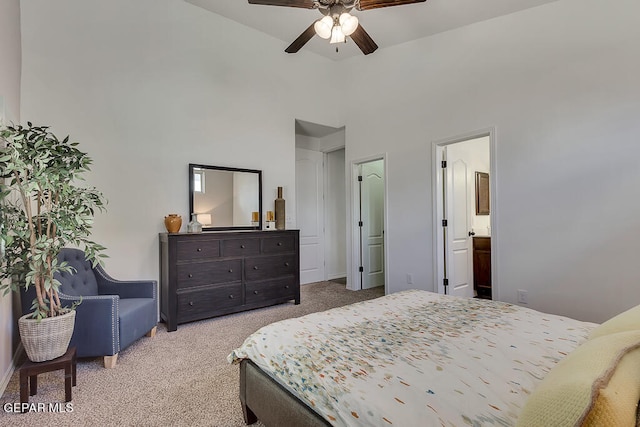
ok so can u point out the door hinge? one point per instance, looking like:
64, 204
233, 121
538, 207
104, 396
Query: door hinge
360, 224
359, 177
444, 163
361, 269
444, 222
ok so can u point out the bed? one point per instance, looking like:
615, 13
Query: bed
420, 358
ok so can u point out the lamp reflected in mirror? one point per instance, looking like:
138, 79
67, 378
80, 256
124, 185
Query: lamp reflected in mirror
204, 219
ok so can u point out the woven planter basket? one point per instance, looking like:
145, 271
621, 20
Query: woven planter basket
47, 339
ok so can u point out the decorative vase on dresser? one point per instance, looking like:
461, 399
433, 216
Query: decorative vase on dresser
280, 211
217, 273
172, 223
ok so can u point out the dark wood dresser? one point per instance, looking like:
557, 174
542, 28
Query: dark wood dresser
482, 266
215, 273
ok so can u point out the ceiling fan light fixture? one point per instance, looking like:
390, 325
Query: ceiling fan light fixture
323, 27
348, 23
337, 36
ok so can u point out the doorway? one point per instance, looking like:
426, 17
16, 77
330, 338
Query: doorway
369, 210
320, 202
463, 229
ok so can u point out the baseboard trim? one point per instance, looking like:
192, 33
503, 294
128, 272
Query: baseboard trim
12, 368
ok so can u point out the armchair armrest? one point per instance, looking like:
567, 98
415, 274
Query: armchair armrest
98, 333
124, 288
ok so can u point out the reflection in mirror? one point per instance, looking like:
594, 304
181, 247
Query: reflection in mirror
225, 198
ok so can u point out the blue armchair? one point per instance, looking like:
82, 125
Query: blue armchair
112, 315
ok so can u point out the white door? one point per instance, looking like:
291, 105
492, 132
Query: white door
372, 229
459, 192
309, 213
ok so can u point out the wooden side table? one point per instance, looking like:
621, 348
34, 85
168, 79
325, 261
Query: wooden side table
30, 370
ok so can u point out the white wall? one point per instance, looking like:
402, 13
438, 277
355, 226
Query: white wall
148, 87
560, 84
151, 85
10, 112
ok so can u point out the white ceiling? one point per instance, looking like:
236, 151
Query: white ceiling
315, 130
387, 26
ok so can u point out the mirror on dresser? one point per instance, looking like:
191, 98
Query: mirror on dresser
225, 198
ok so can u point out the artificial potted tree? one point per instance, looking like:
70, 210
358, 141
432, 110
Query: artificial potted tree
43, 209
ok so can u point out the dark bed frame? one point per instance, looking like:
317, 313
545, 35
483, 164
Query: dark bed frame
266, 400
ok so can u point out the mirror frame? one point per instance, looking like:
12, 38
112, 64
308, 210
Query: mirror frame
192, 166
482, 194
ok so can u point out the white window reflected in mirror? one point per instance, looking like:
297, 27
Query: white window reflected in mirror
198, 181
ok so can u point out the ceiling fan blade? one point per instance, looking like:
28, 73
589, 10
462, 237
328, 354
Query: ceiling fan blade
301, 40
363, 40
306, 4
375, 4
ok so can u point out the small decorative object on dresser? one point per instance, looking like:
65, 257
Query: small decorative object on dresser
280, 211
172, 223
270, 223
194, 226
216, 273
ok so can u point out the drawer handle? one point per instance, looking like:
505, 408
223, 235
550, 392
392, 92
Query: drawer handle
231, 270
241, 246
279, 243
189, 275
231, 296
255, 267
199, 249
286, 286
191, 303
286, 264
255, 292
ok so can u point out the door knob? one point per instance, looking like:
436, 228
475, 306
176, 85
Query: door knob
472, 233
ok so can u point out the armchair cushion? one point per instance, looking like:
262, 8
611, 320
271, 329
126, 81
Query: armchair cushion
80, 282
137, 317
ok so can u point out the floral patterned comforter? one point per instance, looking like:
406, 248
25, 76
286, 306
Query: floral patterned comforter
415, 358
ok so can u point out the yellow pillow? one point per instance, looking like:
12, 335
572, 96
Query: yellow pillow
626, 321
616, 405
597, 384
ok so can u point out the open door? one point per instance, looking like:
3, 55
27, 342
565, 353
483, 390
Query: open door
458, 255
457, 221
310, 214
371, 224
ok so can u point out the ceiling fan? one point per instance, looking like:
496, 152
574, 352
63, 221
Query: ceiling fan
337, 23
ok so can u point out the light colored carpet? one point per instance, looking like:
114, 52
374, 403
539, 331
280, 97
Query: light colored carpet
178, 378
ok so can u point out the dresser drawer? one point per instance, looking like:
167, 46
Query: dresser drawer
201, 303
208, 273
279, 244
271, 290
265, 267
240, 247
197, 249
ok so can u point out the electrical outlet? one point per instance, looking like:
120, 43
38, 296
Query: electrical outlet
523, 296
410, 278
